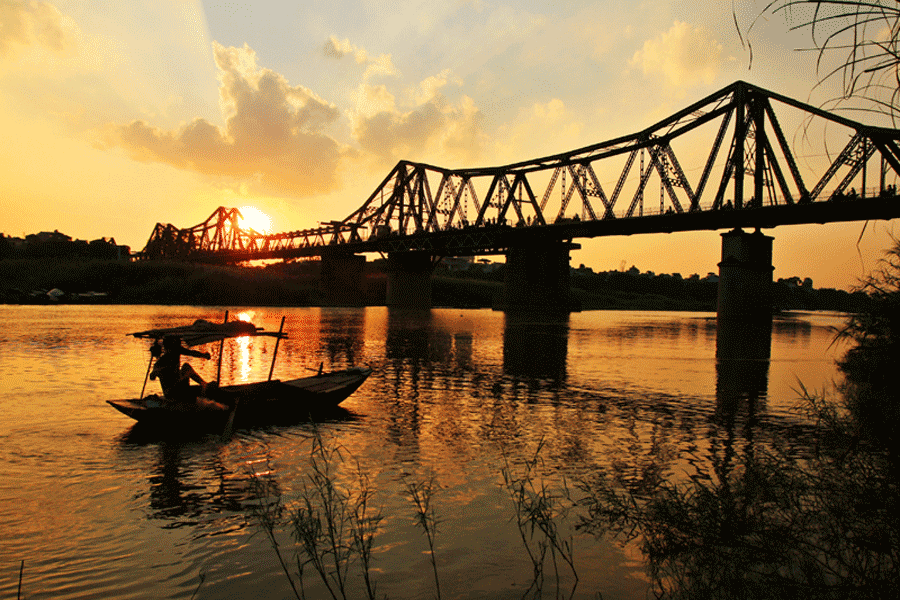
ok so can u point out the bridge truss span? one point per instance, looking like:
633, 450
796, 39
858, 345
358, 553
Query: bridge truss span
220, 238
724, 162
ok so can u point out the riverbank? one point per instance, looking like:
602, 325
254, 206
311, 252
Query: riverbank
49, 281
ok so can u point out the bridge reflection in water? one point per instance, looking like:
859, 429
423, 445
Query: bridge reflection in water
535, 345
455, 384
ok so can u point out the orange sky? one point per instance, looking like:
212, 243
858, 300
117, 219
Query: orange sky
119, 115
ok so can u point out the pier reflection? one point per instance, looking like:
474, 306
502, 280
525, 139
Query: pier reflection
536, 345
342, 332
408, 351
743, 350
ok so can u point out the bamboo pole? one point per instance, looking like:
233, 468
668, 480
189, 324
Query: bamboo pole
275, 353
221, 349
147, 374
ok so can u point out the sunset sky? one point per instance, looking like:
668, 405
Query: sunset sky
118, 115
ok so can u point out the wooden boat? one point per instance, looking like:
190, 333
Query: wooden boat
257, 403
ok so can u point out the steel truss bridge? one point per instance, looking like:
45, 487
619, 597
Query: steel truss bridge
721, 163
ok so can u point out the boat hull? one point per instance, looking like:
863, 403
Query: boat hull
259, 403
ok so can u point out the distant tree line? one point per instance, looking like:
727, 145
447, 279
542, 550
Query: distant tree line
47, 261
688, 293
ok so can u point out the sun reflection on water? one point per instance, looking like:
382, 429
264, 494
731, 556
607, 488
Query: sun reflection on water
243, 357
243, 346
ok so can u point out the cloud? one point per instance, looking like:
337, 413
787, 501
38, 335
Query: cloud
379, 65
542, 129
32, 23
280, 138
273, 132
429, 124
684, 56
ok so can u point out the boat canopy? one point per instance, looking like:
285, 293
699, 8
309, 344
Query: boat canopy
205, 332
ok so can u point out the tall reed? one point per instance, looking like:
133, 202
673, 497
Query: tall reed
421, 493
538, 508
333, 525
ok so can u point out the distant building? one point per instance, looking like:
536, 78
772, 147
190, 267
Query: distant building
15, 243
583, 270
47, 236
458, 263
486, 265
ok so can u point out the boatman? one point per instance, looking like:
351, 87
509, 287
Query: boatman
175, 378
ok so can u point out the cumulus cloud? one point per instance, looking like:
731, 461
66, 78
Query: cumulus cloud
273, 132
280, 138
684, 56
32, 23
430, 123
378, 65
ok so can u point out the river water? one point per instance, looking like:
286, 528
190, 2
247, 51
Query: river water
95, 510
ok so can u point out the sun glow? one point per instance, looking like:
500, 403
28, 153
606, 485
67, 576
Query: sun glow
255, 219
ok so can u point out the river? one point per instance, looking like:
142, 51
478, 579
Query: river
457, 396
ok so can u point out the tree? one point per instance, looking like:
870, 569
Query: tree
857, 41
870, 366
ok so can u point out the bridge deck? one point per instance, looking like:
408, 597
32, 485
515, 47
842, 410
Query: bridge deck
497, 239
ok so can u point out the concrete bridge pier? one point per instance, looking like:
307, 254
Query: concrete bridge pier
342, 279
537, 278
744, 315
409, 280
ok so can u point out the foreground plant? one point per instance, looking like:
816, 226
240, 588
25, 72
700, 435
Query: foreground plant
333, 525
857, 43
765, 524
538, 509
870, 391
421, 493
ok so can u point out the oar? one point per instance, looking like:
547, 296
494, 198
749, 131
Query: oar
275, 353
229, 424
221, 349
147, 375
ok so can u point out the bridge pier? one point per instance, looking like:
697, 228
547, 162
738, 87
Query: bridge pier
342, 280
409, 280
537, 278
745, 294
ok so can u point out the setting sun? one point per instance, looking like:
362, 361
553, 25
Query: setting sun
255, 219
